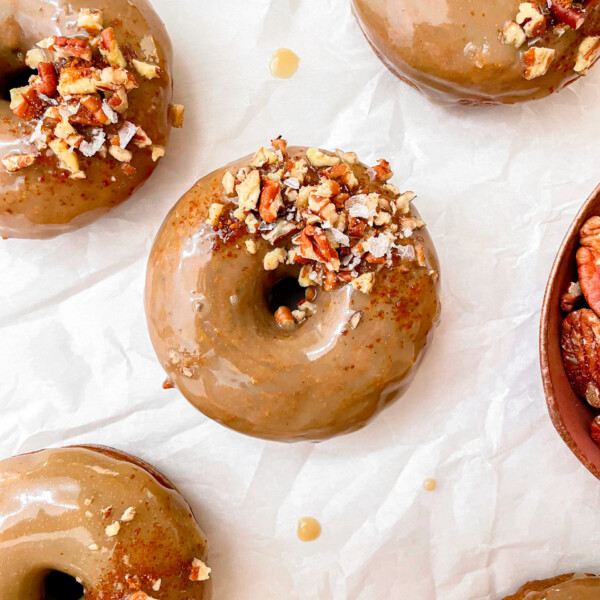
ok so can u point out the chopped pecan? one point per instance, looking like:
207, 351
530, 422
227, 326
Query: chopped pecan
331, 281
30, 105
375, 260
17, 162
94, 106
356, 227
69, 47
580, 343
314, 242
48, 81
566, 13
381, 171
284, 318
281, 145
586, 54
531, 19
270, 201
537, 61
344, 173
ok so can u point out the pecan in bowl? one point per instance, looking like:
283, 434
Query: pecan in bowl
570, 336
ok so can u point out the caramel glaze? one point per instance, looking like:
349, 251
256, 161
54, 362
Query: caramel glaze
217, 339
451, 49
41, 201
562, 587
51, 506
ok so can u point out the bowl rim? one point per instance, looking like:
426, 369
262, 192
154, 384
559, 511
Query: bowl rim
551, 397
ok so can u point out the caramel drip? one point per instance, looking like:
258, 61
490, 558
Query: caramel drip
429, 485
284, 64
309, 529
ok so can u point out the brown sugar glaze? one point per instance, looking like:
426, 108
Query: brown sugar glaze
452, 50
213, 331
51, 518
41, 201
563, 587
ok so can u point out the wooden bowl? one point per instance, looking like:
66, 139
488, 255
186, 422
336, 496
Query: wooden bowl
570, 414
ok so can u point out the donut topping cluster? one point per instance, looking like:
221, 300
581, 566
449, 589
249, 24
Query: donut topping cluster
339, 222
198, 569
535, 20
79, 98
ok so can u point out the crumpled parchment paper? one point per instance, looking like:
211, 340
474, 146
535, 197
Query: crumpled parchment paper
498, 188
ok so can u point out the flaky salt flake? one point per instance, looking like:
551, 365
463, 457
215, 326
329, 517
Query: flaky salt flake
90, 148
66, 110
113, 117
341, 238
359, 211
126, 134
292, 182
378, 245
406, 252
148, 46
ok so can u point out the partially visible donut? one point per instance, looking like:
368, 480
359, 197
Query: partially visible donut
350, 243
85, 91
103, 517
474, 52
561, 587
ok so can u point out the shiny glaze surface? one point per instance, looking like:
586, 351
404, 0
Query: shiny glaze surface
51, 506
451, 49
563, 587
41, 201
217, 339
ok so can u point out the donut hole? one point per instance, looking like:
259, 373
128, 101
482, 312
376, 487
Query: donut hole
286, 292
14, 79
60, 586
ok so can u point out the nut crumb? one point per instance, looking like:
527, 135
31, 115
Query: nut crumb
214, 214
113, 529
320, 159
129, 514
199, 571
537, 62
176, 113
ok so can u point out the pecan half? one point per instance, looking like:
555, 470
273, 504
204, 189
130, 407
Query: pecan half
580, 343
595, 430
590, 233
588, 262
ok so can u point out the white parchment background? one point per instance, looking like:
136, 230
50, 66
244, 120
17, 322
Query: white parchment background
498, 188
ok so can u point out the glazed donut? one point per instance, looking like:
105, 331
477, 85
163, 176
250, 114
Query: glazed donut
224, 274
105, 518
85, 92
471, 52
562, 587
